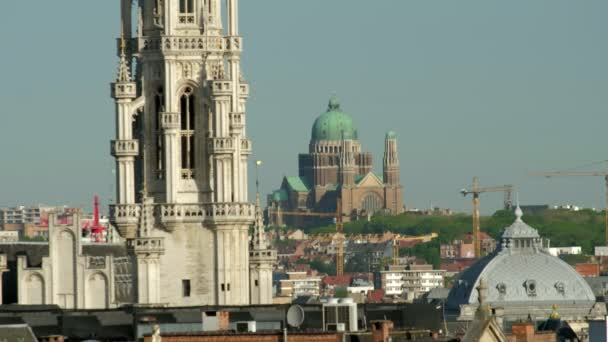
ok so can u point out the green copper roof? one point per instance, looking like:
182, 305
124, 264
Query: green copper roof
279, 195
334, 124
299, 184
391, 135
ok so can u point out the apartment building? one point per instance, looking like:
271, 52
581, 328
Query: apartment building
410, 281
300, 284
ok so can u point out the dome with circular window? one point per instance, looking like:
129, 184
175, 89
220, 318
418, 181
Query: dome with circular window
524, 279
334, 124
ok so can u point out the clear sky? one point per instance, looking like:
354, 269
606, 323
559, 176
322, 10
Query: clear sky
487, 88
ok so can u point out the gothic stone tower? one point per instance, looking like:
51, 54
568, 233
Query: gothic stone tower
181, 152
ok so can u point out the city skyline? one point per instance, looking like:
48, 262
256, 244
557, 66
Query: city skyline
473, 89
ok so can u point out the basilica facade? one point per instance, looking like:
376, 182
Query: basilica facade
336, 173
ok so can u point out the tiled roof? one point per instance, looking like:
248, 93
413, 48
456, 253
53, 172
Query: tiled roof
343, 280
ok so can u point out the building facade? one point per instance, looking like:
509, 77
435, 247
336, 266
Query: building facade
65, 271
181, 152
410, 281
300, 284
336, 169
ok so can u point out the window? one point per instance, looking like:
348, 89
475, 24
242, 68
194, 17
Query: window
256, 282
187, 116
186, 11
159, 107
186, 288
223, 288
186, 6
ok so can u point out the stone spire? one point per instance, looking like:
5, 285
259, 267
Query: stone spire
124, 75
258, 240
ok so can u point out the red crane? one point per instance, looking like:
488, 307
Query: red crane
97, 230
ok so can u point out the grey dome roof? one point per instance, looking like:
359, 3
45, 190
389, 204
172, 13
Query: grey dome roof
521, 273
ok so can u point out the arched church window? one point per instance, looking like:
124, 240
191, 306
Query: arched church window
159, 108
187, 116
371, 203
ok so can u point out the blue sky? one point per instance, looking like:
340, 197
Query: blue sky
472, 87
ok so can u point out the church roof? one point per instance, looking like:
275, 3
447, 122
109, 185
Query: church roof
279, 195
334, 124
298, 184
361, 178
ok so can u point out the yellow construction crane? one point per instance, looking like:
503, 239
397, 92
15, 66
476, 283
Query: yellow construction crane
339, 229
583, 174
475, 191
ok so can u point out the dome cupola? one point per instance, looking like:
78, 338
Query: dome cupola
334, 124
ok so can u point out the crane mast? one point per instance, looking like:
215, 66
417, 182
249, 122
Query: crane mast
475, 191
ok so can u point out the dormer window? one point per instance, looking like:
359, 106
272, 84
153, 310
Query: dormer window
530, 286
186, 11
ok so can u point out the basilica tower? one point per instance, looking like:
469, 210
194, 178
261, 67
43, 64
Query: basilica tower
181, 151
393, 190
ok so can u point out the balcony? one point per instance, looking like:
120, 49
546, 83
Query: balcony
126, 218
220, 145
125, 148
124, 90
170, 120
168, 44
172, 215
237, 120
233, 44
146, 245
221, 88
246, 146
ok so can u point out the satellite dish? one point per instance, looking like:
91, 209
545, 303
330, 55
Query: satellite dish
295, 316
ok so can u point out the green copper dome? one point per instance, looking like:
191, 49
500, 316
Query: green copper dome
391, 135
334, 124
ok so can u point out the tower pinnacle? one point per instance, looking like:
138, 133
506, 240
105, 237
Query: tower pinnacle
124, 74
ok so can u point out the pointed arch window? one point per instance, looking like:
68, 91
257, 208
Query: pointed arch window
186, 11
159, 107
188, 119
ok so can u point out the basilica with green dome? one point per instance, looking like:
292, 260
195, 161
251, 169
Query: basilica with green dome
335, 169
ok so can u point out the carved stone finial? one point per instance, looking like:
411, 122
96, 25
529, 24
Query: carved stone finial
518, 213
